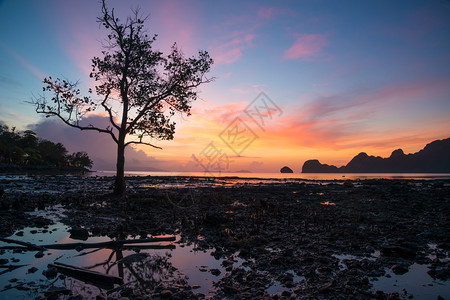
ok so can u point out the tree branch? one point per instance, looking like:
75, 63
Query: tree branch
109, 111
142, 143
67, 122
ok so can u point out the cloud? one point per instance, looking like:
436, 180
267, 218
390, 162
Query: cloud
5, 81
361, 119
265, 12
100, 147
230, 48
249, 89
255, 165
35, 71
13, 118
306, 46
222, 114
176, 21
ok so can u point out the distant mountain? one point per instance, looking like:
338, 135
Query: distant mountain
434, 158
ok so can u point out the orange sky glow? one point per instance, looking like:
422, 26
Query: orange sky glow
343, 79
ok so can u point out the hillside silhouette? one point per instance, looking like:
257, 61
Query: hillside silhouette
434, 158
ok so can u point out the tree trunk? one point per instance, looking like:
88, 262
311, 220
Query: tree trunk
119, 184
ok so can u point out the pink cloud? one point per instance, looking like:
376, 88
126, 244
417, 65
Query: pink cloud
36, 72
222, 113
231, 49
364, 119
248, 89
175, 21
265, 12
306, 46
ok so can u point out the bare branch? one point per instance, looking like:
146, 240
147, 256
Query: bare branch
75, 125
109, 111
142, 143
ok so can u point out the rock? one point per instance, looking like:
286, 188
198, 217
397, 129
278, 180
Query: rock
50, 273
41, 222
166, 294
32, 270
3, 261
78, 233
286, 170
398, 251
126, 292
213, 218
399, 269
314, 166
215, 272
39, 254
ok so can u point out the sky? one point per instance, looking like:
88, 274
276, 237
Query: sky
334, 78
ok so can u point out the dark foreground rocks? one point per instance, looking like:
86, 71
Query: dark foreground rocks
291, 232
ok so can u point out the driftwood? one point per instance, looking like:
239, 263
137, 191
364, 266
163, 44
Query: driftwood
29, 246
144, 247
10, 268
8, 287
14, 248
110, 243
89, 252
86, 275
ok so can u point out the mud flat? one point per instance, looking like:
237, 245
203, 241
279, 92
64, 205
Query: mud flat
259, 238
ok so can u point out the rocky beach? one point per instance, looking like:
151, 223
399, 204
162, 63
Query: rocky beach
262, 238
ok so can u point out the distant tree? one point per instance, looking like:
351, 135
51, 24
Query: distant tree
8, 144
26, 148
17, 155
80, 159
145, 87
54, 154
29, 143
28, 139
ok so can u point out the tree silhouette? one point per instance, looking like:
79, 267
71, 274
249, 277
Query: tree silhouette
145, 87
26, 148
80, 159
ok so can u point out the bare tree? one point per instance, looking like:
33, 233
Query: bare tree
138, 87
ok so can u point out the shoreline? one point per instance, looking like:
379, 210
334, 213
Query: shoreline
11, 169
277, 227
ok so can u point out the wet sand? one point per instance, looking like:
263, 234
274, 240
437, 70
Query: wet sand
315, 240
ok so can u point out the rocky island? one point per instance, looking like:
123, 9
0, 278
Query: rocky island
434, 158
286, 170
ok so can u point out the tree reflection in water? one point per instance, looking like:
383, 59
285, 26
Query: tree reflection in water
141, 272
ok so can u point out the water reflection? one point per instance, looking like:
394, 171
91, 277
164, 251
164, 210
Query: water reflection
141, 267
416, 282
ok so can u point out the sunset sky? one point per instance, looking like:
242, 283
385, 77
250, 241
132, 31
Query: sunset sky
343, 76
